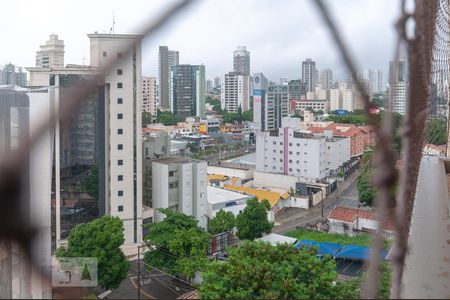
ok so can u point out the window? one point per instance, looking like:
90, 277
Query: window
290, 152
120, 178
120, 208
120, 162
290, 144
119, 85
120, 131
104, 53
119, 100
173, 185
119, 116
120, 147
119, 71
119, 55
274, 143
290, 161
120, 193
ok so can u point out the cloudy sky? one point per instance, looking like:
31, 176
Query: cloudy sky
279, 34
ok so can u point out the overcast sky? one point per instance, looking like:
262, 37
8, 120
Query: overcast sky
278, 34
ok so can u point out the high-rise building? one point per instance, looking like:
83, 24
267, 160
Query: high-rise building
51, 55
342, 97
12, 75
309, 74
260, 85
150, 95
187, 90
20, 111
297, 89
209, 86
375, 80
180, 185
241, 61
326, 79
398, 85
276, 106
217, 82
235, 92
105, 134
166, 59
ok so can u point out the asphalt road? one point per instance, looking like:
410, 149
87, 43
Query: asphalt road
345, 194
154, 285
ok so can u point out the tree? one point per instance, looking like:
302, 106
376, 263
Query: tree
247, 115
101, 239
252, 222
257, 270
91, 182
436, 131
365, 187
146, 118
222, 222
167, 118
191, 246
181, 246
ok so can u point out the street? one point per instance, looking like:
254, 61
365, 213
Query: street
154, 285
345, 194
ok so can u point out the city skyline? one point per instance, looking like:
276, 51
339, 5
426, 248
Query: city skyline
215, 47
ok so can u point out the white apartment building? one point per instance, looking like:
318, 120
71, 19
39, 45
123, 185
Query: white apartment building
318, 94
106, 131
150, 95
180, 184
51, 55
123, 94
323, 105
342, 98
235, 92
290, 150
337, 151
326, 78
397, 96
21, 110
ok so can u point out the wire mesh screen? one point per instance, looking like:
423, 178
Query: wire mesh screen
426, 112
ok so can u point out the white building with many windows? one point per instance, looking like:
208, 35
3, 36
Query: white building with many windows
292, 151
180, 184
150, 95
235, 92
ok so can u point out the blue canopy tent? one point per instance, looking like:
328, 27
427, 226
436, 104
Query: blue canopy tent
354, 252
322, 248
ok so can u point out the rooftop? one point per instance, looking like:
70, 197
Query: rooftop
275, 239
175, 160
347, 214
219, 195
260, 195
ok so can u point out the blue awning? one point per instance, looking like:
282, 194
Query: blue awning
357, 253
322, 248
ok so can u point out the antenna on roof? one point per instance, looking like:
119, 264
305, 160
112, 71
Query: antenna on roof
113, 23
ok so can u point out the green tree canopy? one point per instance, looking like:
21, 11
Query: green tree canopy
167, 118
257, 270
365, 187
181, 245
436, 131
252, 222
223, 221
101, 239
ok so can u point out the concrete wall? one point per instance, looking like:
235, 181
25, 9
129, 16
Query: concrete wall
231, 172
296, 201
160, 185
